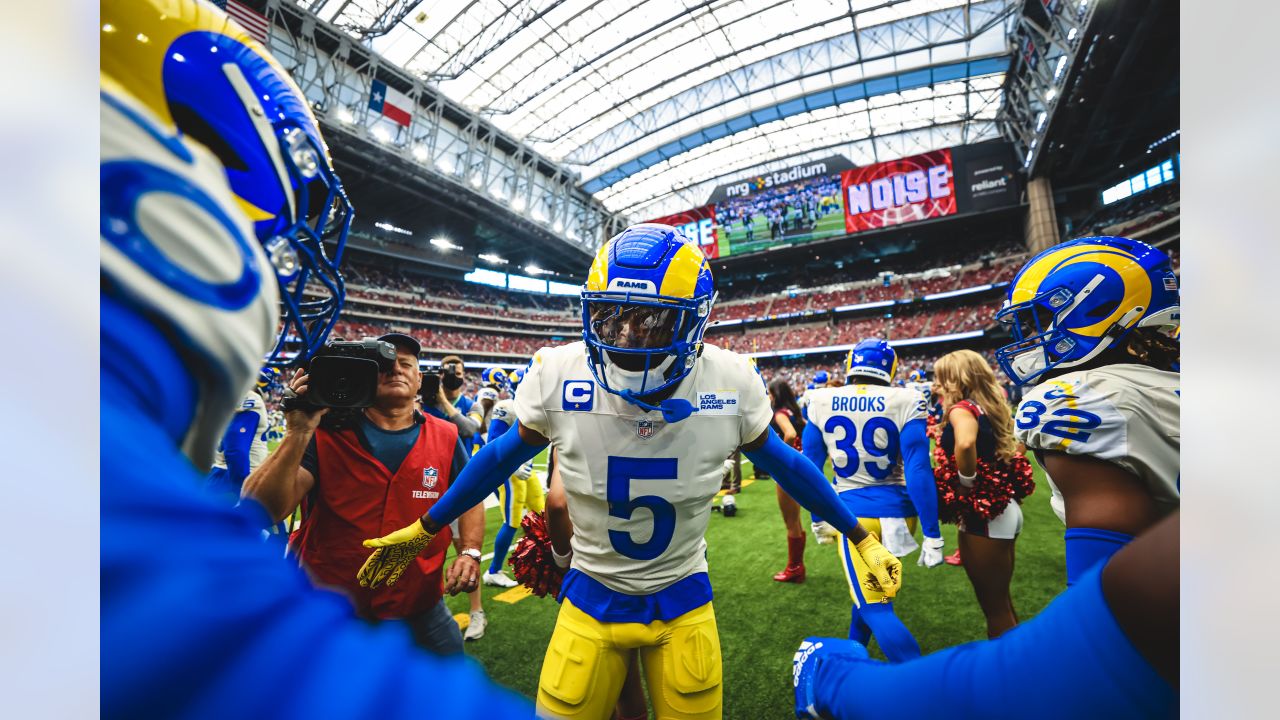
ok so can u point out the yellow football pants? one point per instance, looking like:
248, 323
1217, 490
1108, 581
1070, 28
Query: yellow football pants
586, 663
515, 495
862, 586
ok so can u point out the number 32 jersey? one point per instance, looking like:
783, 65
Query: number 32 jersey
861, 426
639, 489
1125, 414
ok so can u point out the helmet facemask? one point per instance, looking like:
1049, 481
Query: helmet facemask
642, 344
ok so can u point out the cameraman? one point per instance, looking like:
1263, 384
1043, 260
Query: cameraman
386, 470
453, 382
442, 398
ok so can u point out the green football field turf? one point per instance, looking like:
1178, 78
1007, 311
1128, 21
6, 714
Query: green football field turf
734, 241
761, 621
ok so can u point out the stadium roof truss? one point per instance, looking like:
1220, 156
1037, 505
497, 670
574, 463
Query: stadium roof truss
652, 102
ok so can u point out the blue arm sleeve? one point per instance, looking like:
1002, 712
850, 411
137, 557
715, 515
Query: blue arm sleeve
803, 481
814, 448
178, 628
488, 468
1005, 677
235, 444
497, 428
920, 485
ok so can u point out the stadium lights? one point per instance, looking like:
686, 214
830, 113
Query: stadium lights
419, 153
381, 135
1062, 65
475, 180
343, 114
559, 226
1071, 34
392, 228
445, 165
1049, 96
444, 244
518, 203
1040, 120
535, 270
491, 258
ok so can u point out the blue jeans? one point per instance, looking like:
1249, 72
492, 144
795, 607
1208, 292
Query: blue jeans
436, 631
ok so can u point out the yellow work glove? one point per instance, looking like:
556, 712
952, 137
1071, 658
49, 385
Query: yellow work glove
392, 555
886, 570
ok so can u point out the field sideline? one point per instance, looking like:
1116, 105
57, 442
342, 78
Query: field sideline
761, 622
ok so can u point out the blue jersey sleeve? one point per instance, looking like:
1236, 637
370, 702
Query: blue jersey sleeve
803, 481
236, 442
813, 446
488, 469
919, 476
200, 618
1077, 632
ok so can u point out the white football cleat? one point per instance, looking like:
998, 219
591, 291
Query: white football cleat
476, 626
824, 533
497, 580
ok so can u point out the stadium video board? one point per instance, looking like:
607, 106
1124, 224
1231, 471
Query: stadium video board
832, 198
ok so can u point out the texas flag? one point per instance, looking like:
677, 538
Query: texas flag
393, 105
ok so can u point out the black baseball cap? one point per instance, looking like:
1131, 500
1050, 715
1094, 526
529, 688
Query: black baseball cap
403, 342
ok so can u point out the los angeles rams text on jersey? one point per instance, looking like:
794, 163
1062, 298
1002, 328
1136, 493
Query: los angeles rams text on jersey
640, 489
860, 426
1125, 414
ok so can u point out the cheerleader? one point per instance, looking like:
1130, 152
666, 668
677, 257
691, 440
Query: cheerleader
981, 479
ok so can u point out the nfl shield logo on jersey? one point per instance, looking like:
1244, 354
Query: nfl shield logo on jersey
429, 477
645, 429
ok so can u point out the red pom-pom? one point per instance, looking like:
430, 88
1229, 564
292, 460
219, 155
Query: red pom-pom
531, 561
997, 485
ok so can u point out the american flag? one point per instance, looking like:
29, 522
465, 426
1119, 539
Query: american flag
253, 22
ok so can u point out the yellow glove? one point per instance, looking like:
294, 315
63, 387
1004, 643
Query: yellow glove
393, 554
886, 569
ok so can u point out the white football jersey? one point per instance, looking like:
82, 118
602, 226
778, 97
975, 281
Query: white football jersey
252, 402
639, 490
925, 389
504, 410
1125, 414
861, 426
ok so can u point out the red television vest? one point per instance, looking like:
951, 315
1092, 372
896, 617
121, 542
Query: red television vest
356, 498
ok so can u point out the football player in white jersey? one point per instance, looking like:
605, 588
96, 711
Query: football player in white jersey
918, 380
520, 491
1093, 322
642, 414
874, 434
243, 446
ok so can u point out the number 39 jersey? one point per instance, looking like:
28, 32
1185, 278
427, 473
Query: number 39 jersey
1124, 414
639, 489
861, 426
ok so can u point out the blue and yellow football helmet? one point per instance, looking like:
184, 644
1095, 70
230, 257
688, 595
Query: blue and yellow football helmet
917, 376
200, 73
496, 377
645, 307
1075, 300
268, 377
515, 376
873, 358
821, 378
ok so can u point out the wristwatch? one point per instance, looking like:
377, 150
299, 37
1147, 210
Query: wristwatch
472, 553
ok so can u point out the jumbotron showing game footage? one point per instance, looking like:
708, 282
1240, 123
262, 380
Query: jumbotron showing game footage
831, 198
913, 188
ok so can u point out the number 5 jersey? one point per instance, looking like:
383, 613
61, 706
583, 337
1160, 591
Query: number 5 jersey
1125, 414
640, 489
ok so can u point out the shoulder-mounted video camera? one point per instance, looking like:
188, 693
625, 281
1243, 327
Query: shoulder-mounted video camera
344, 375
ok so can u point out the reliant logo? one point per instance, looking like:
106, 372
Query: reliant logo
627, 285
997, 183
900, 189
799, 172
